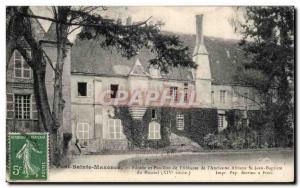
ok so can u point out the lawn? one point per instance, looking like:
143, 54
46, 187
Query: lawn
282, 157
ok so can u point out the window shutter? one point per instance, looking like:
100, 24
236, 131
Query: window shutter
107, 96
106, 130
32, 103
10, 106
89, 89
122, 133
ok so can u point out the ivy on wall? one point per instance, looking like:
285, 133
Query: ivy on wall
136, 131
202, 122
197, 123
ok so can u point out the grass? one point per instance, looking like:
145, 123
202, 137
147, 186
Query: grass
213, 158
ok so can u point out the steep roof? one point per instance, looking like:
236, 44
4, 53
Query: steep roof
88, 57
51, 35
224, 55
38, 30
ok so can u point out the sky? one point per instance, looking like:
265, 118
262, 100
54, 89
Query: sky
179, 19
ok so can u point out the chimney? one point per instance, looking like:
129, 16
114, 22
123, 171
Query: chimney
199, 47
129, 20
199, 29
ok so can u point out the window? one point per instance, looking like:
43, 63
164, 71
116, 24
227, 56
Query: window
154, 71
115, 129
222, 96
153, 114
82, 89
21, 68
185, 92
154, 130
114, 90
212, 97
22, 106
180, 122
174, 94
83, 131
221, 119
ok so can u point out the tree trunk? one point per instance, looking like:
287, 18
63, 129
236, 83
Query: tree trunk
41, 99
43, 107
58, 101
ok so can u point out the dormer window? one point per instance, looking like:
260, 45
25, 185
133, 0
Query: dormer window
154, 71
21, 68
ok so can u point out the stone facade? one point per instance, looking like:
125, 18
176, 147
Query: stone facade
88, 73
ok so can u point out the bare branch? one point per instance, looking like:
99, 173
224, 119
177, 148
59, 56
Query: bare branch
51, 64
246, 97
108, 21
74, 29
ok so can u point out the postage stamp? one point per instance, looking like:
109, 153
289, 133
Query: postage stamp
28, 156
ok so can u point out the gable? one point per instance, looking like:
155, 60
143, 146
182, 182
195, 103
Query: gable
138, 69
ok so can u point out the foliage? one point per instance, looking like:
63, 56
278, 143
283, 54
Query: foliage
136, 131
238, 143
197, 124
269, 45
202, 122
258, 131
211, 141
129, 39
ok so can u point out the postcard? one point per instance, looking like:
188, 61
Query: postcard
150, 94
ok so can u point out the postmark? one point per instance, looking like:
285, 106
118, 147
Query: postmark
28, 156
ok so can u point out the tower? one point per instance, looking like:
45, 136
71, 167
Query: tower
202, 73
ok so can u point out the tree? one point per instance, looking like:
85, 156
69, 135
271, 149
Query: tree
268, 42
127, 39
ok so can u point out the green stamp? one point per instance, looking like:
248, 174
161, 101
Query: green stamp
28, 156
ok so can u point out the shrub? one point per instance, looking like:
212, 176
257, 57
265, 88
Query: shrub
253, 146
238, 143
210, 141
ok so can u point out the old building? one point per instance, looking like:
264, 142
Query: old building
211, 88
114, 103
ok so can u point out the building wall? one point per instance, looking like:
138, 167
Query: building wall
234, 97
21, 86
88, 109
24, 86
